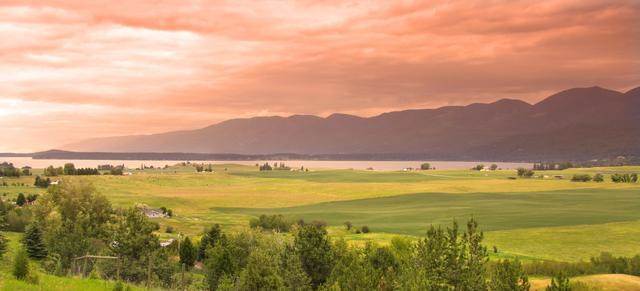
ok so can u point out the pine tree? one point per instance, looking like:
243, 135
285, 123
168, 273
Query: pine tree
21, 200
559, 283
187, 253
21, 265
33, 242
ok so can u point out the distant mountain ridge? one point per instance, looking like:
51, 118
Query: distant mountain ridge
576, 124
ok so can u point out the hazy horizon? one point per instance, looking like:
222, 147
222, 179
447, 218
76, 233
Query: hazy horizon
73, 70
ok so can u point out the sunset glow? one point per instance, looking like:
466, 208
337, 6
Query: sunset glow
71, 70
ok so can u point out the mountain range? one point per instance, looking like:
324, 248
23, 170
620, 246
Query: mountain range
575, 124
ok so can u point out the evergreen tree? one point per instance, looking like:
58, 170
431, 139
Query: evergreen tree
21, 265
33, 242
210, 238
21, 200
559, 283
477, 257
509, 276
187, 253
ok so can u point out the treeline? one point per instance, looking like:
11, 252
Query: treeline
276, 166
9, 170
445, 259
605, 263
203, 168
616, 178
70, 169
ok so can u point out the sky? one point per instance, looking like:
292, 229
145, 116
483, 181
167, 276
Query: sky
71, 70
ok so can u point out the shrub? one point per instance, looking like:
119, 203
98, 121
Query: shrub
348, 225
425, 166
365, 229
169, 229
581, 178
526, 173
21, 264
598, 178
3, 245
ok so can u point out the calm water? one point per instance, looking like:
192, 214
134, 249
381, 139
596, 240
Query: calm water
377, 165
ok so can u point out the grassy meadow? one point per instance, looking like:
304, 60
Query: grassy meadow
536, 218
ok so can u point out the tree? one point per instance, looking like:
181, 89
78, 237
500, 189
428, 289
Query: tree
559, 282
21, 200
210, 238
262, 271
365, 229
220, 262
509, 276
313, 246
133, 240
72, 218
476, 258
493, 167
425, 166
187, 253
478, 167
33, 242
21, 265
526, 173
69, 169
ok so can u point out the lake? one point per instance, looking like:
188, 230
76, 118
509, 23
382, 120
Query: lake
361, 165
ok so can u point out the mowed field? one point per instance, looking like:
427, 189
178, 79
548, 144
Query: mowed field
537, 218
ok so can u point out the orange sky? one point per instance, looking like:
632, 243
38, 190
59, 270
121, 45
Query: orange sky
71, 70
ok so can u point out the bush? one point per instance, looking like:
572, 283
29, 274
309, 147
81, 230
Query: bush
21, 265
581, 178
526, 173
365, 229
169, 229
598, 178
425, 166
3, 245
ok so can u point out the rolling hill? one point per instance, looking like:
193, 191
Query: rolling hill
579, 124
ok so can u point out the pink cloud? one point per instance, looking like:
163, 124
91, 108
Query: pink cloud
185, 64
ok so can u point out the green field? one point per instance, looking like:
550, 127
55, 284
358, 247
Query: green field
537, 218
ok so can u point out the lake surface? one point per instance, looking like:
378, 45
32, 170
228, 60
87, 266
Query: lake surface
361, 165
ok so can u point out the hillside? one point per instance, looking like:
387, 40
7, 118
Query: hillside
579, 123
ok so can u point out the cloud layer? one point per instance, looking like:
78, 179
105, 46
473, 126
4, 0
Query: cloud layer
76, 69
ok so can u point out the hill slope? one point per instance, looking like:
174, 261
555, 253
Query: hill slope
579, 123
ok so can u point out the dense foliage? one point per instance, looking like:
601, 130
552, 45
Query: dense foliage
525, 173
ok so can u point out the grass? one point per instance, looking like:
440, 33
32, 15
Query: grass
602, 282
543, 218
45, 281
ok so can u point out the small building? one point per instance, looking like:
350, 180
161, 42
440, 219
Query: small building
151, 212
